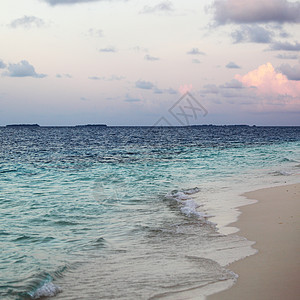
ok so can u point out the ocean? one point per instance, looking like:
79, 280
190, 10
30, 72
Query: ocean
131, 212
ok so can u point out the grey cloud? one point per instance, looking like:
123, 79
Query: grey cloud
111, 78
233, 84
95, 78
58, 2
164, 6
95, 32
232, 65
210, 89
196, 61
108, 49
195, 51
146, 85
292, 73
284, 34
171, 91
63, 76
139, 49
131, 99
279, 28
229, 89
115, 77
164, 91
22, 69
285, 46
252, 34
150, 58
261, 11
2, 64
158, 91
232, 93
287, 56
27, 22
83, 99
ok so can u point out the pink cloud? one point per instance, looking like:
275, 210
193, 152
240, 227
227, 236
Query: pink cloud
272, 87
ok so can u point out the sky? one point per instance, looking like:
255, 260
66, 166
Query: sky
159, 62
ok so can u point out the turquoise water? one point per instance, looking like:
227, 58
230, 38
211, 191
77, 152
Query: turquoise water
129, 213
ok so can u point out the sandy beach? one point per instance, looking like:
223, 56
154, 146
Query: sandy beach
273, 222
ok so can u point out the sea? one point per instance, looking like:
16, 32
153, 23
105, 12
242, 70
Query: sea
131, 212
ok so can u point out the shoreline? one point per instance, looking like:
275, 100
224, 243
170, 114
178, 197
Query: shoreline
273, 223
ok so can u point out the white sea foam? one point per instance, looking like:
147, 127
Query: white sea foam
282, 173
47, 290
192, 191
188, 206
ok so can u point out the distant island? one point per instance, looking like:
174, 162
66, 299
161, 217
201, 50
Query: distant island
92, 125
38, 126
23, 125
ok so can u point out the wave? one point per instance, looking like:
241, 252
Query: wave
188, 206
48, 289
281, 173
43, 286
285, 159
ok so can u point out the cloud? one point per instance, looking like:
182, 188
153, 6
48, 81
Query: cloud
268, 82
83, 99
292, 73
108, 50
58, 2
171, 91
139, 49
195, 51
114, 77
95, 78
285, 46
196, 61
233, 84
150, 58
287, 56
111, 78
95, 32
263, 90
2, 64
146, 85
232, 92
158, 91
252, 34
131, 99
272, 91
255, 11
210, 89
27, 22
232, 65
63, 76
22, 69
164, 6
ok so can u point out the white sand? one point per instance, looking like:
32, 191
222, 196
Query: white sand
274, 223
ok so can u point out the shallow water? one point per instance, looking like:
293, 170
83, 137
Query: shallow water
130, 213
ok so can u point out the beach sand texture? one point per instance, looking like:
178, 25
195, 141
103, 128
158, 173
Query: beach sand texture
273, 222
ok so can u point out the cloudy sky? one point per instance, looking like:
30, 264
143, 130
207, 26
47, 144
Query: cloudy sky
67, 62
